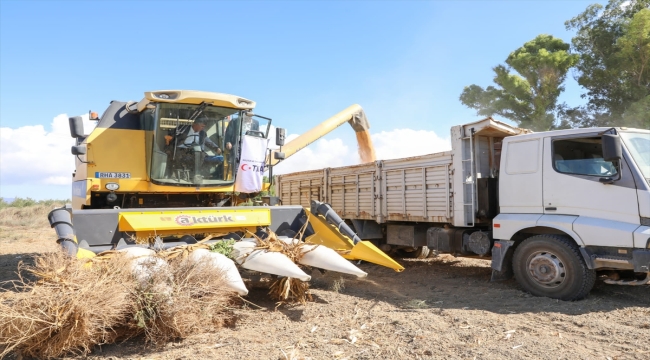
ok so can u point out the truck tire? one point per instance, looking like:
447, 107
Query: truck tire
421, 253
551, 266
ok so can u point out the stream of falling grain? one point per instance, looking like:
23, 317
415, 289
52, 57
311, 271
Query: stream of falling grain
366, 148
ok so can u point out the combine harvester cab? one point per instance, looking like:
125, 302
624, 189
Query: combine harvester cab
170, 173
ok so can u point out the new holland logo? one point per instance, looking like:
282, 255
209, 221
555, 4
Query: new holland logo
187, 220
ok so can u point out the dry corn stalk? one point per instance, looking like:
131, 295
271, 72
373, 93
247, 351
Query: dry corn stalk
286, 290
68, 310
193, 300
289, 290
74, 305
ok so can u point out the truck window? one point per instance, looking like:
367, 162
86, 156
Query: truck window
583, 156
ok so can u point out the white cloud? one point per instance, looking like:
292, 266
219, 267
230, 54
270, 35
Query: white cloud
401, 143
397, 143
33, 155
321, 154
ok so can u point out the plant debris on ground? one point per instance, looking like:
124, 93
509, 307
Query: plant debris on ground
62, 306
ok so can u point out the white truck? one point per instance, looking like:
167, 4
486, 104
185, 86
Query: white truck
556, 209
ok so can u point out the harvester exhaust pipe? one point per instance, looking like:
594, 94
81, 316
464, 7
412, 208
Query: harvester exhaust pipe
61, 220
333, 218
354, 115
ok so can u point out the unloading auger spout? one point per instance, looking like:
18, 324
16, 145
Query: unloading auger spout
353, 115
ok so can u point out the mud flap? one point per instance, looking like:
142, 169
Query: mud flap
328, 235
502, 252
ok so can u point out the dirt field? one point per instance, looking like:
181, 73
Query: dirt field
439, 308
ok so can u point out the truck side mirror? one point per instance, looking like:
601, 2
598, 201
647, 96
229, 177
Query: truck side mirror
612, 150
76, 126
278, 155
280, 134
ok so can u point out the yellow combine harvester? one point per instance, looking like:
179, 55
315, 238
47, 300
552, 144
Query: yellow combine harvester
164, 171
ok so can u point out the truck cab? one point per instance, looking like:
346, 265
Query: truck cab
574, 204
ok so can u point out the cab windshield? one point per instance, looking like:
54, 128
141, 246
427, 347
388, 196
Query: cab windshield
190, 144
638, 144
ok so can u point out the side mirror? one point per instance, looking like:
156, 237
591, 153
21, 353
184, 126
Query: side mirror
78, 150
278, 155
76, 126
612, 150
280, 134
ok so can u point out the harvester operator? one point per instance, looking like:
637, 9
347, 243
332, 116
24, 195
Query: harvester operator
185, 138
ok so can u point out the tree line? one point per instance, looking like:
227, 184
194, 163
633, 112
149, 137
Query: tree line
609, 57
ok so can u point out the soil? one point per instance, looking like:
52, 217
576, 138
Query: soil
437, 308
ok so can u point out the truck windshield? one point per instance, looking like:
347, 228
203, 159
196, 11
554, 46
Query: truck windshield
638, 143
189, 144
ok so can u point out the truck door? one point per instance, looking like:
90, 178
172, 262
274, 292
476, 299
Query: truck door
607, 214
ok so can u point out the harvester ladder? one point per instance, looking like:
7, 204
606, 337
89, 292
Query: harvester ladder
469, 178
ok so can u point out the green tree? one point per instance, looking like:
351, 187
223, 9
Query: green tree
529, 96
614, 47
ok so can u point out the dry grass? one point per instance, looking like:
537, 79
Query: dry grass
31, 216
338, 285
73, 305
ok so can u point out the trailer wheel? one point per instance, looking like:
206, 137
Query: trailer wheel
551, 266
422, 252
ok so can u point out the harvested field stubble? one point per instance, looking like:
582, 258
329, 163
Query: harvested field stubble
438, 308
73, 306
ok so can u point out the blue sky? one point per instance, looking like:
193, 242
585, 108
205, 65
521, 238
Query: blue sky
405, 62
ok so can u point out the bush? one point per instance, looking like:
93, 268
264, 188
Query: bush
20, 202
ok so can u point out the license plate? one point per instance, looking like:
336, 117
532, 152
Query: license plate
113, 175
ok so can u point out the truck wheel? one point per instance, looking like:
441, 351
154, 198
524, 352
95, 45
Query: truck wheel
551, 266
422, 252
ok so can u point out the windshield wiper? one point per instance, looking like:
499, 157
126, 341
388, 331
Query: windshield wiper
198, 110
